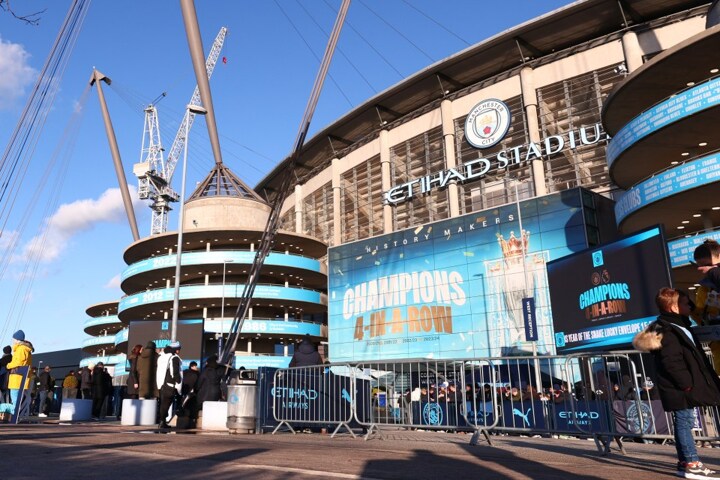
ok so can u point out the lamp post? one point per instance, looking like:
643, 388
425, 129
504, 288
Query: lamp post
222, 309
196, 109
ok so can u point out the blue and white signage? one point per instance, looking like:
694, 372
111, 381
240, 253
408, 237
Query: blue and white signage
267, 327
216, 291
255, 361
487, 123
687, 176
691, 101
681, 250
230, 258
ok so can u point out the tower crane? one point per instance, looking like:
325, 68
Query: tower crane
155, 173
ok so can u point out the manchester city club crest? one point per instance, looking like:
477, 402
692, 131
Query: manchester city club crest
487, 123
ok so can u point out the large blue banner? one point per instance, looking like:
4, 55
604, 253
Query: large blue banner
454, 288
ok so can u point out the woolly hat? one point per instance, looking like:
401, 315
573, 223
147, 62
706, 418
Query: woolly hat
174, 345
19, 335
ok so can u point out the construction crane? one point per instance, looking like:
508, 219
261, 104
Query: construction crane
154, 173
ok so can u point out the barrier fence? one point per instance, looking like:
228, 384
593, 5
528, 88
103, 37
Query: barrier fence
607, 397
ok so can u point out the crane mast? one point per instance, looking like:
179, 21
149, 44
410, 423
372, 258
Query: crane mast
153, 171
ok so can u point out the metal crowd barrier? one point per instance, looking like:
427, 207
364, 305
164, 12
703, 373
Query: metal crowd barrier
314, 396
607, 397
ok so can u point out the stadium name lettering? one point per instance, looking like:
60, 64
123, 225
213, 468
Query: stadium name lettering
479, 167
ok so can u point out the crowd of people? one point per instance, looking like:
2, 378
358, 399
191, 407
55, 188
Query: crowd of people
158, 374
152, 374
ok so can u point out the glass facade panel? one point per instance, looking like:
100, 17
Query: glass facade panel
287, 220
414, 159
318, 214
574, 104
361, 206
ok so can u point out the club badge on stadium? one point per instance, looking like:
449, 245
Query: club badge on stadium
487, 123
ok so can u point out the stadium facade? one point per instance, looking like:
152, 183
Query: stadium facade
489, 136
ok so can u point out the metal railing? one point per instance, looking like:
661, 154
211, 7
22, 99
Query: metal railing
604, 396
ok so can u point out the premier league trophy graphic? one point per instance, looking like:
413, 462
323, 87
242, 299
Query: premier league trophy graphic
510, 279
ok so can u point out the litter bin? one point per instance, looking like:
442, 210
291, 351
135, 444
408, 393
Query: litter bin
241, 394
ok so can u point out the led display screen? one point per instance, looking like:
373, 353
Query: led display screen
603, 296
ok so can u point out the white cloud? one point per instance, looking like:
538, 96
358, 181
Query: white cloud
73, 218
113, 282
15, 72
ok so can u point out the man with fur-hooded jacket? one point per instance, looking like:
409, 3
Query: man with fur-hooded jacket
684, 375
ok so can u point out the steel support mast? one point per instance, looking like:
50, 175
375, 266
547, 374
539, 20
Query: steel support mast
96, 79
273, 223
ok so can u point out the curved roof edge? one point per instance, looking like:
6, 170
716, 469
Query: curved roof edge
659, 78
568, 26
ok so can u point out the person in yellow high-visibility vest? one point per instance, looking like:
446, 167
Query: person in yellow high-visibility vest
21, 357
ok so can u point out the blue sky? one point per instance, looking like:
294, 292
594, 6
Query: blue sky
259, 97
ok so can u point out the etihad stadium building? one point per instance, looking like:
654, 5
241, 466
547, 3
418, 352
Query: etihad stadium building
427, 193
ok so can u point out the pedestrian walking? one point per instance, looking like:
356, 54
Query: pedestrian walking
685, 378
46, 387
169, 380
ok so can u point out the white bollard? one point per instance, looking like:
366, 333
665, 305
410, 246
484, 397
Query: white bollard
75, 410
214, 416
139, 412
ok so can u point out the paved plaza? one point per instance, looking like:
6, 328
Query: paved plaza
106, 450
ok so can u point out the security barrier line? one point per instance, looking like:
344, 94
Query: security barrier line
604, 396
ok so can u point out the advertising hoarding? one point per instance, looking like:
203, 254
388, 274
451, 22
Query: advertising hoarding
603, 296
453, 288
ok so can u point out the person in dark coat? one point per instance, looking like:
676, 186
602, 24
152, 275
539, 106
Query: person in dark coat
147, 372
209, 382
132, 379
4, 360
188, 412
684, 376
306, 354
99, 389
86, 382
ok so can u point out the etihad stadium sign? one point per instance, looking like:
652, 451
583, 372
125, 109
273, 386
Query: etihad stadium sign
486, 125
